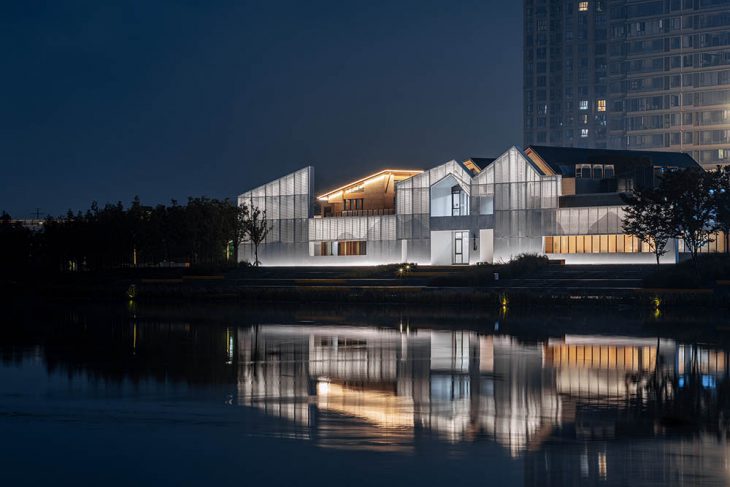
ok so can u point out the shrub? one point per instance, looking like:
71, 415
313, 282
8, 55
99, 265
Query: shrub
525, 264
483, 273
709, 268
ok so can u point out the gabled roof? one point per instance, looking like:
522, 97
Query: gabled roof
475, 165
562, 160
482, 162
395, 172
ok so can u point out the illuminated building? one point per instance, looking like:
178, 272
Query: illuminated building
629, 74
561, 202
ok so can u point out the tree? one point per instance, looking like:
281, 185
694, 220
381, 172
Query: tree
240, 216
648, 218
691, 195
722, 199
256, 228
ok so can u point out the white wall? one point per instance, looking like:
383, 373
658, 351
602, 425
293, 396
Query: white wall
441, 200
486, 245
441, 243
441, 197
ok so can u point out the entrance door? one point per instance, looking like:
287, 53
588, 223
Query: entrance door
461, 248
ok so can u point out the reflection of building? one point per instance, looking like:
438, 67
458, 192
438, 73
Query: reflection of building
564, 203
603, 367
337, 382
456, 384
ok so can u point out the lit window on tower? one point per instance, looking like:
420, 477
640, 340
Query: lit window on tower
584, 105
584, 133
601, 105
583, 6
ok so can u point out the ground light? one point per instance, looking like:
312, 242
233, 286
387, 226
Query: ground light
656, 302
132, 292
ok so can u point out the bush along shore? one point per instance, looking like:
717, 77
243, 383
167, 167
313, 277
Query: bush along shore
527, 280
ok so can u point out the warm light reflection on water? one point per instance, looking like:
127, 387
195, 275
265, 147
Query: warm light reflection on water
465, 386
560, 408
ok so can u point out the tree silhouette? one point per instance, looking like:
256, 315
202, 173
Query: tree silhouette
648, 217
256, 228
691, 196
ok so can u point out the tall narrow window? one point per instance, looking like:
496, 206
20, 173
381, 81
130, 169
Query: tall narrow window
601, 105
456, 200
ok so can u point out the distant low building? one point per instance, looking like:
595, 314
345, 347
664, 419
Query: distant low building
561, 202
32, 224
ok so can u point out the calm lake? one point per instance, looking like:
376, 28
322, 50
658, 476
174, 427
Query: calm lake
186, 394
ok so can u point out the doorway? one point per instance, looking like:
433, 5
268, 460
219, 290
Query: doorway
461, 248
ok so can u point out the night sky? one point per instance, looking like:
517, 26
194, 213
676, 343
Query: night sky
107, 100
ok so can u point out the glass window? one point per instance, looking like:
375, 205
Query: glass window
597, 171
584, 133
584, 105
351, 248
582, 6
548, 245
601, 105
608, 171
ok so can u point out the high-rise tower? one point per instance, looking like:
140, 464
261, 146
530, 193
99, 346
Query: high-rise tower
629, 74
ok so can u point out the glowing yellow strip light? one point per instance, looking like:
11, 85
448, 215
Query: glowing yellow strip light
366, 180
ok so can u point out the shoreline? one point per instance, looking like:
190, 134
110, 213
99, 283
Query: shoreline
482, 296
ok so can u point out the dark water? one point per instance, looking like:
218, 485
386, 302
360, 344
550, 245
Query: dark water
199, 395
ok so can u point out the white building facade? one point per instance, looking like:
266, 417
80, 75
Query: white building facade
537, 201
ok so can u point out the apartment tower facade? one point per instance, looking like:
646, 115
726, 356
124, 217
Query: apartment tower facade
627, 74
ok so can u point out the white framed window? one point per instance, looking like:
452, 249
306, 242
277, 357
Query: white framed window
583, 105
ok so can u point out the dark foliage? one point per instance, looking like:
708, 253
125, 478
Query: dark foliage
202, 232
481, 275
705, 273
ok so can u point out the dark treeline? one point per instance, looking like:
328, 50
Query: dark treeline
204, 231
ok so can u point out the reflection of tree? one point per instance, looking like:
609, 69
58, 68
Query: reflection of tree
690, 396
162, 352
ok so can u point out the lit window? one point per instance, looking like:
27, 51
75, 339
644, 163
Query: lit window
582, 6
584, 105
584, 133
601, 105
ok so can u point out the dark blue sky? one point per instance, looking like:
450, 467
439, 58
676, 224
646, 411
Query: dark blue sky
107, 100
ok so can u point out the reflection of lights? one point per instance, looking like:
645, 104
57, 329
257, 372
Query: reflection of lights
602, 465
229, 346
323, 388
386, 410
